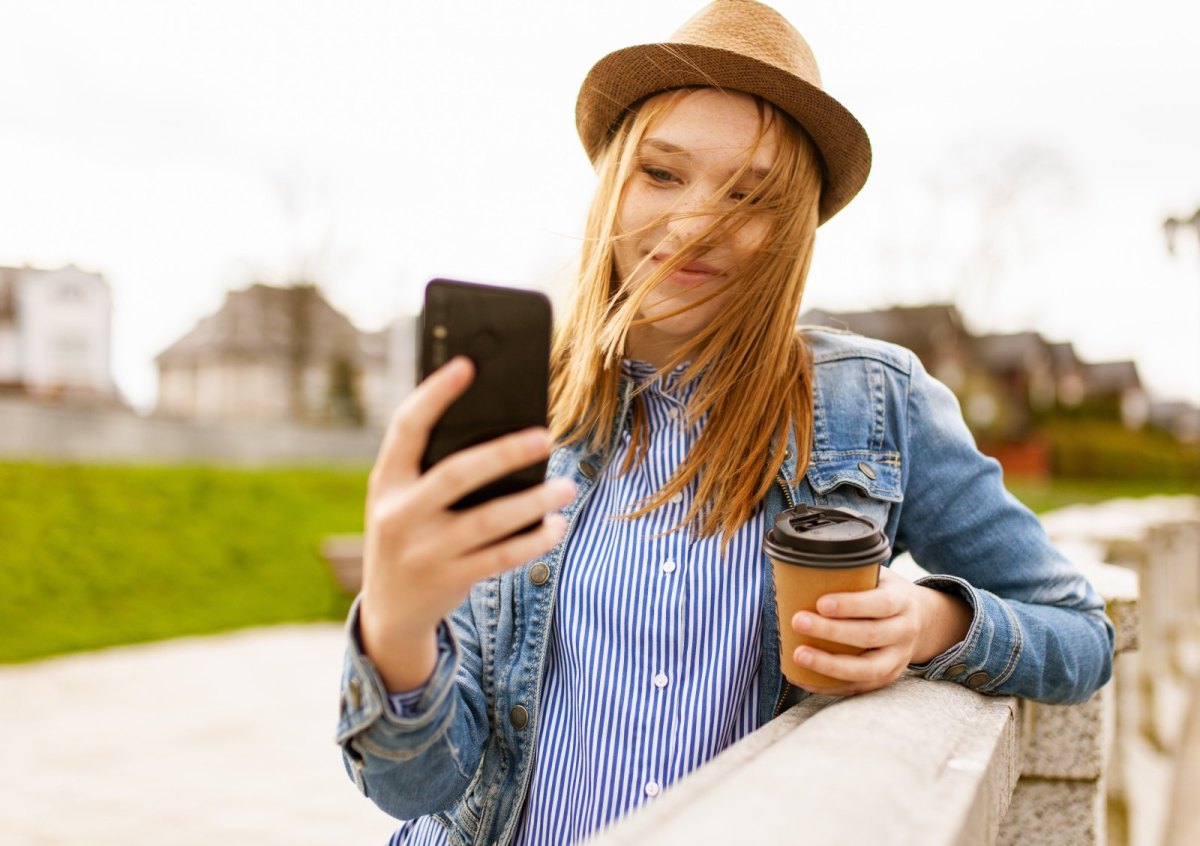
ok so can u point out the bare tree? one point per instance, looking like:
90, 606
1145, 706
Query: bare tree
1173, 224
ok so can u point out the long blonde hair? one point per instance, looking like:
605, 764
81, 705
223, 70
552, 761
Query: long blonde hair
751, 366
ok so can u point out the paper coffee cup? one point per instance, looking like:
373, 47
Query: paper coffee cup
816, 551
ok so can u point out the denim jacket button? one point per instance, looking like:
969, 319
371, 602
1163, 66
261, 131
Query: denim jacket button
977, 680
956, 669
539, 573
867, 469
519, 717
354, 694
588, 469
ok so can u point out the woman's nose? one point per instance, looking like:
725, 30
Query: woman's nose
692, 218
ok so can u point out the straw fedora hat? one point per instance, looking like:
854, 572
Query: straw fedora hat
743, 46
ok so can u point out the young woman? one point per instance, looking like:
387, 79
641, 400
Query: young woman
532, 688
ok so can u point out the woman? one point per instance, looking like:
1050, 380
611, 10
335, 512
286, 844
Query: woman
532, 688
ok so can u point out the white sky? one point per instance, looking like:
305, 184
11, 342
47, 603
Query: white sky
158, 142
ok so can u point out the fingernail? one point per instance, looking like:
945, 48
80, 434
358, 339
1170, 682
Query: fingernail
538, 439
802, 621
564, 489
826, 605
802, 656
557, 524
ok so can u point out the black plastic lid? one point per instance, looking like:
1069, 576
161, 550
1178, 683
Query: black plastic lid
826, 537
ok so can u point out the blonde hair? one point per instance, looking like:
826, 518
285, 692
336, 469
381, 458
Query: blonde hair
751, 366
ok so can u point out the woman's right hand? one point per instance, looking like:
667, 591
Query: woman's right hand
420, 559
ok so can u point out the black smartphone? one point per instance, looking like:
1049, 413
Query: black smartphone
506, 333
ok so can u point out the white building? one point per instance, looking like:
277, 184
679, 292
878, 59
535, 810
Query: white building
56, 334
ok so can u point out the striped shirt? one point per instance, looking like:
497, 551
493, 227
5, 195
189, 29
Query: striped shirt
653, 660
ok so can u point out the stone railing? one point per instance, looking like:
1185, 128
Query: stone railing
1153, 775
934, 763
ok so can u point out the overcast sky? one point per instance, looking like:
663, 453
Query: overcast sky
1025, 156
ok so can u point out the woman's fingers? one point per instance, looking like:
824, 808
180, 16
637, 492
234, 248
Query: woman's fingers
458, 474
885, 600
462, 533
858, 673
498, 557
865, 634
399, 457
495, 520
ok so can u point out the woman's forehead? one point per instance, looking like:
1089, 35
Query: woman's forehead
711, 126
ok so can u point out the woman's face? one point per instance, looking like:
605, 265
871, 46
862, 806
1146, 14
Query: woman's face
678, 187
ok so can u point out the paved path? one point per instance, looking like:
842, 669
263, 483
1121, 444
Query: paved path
219, 741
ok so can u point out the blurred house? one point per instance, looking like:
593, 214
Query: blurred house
56, 335
1006, 383
1181, 419
1114, 389
934, 332
274, 355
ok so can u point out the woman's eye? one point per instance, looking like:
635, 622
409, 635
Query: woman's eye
658, 174
740, 196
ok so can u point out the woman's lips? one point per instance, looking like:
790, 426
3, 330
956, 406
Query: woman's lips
690, 274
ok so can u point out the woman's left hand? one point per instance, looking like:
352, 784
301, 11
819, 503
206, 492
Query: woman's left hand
898, 623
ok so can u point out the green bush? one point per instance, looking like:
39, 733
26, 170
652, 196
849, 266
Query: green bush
92, 556
1100, 450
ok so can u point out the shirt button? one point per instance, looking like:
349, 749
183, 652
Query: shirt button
669, 566
660, 681
652, 788
676, 498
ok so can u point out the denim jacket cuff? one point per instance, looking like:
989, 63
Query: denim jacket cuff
367, 712
989, 653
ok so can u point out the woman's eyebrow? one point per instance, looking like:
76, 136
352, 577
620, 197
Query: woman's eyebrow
665, 147
758, 173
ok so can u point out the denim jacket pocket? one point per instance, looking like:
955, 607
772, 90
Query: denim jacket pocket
865, 481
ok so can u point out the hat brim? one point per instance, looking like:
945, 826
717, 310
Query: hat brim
627, 76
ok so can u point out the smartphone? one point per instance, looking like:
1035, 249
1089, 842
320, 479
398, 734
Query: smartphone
506, 333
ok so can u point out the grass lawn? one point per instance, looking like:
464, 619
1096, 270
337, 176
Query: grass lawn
92, 556
1048, 495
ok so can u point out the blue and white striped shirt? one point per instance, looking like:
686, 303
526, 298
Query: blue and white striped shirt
653, 662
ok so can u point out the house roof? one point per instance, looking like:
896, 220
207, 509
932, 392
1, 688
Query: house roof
1063, 357
915, 327
1111, 377
1011, 352
264, 321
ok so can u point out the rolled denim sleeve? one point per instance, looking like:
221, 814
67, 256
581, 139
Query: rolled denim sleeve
1039, 629
418, 759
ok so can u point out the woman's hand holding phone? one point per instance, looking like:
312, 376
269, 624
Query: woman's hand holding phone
420, 558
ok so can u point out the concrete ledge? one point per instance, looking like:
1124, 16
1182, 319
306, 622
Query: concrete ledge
1068, 741
933, 763
1054, 813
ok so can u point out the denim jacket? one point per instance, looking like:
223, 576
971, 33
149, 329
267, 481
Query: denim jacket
888, 441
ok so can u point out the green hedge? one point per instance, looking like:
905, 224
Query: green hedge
92, 556
1099, 450
96, 556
